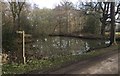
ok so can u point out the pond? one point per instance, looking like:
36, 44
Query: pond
53, 46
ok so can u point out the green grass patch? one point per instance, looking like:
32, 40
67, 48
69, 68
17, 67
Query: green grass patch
118, 43
53, 62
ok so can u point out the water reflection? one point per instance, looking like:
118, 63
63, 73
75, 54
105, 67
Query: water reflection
52, 46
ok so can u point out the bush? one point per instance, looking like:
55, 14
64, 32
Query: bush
92, 25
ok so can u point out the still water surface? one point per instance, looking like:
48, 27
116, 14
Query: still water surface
52, 46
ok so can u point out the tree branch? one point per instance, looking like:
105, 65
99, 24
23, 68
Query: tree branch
118, 9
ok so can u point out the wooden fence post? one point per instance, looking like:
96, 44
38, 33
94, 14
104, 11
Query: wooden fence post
24, 58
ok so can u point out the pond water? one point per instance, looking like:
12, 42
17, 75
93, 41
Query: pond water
52, 46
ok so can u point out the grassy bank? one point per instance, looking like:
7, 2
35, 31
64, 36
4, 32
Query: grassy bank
51, 63
118, 45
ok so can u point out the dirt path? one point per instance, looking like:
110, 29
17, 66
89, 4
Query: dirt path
104, 64
108, 66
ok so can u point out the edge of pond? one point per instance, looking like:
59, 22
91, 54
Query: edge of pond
102, 51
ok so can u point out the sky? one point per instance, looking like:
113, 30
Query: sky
48, 3
53, 3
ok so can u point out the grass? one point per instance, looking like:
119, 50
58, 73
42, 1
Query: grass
116, 33
118, 45
54, 62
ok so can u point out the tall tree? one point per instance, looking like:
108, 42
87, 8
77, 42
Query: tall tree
16, 8
105, 10
65, 10
112, 15
108, 16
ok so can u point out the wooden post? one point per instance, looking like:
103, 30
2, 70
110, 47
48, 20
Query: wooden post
24, 58
23, 45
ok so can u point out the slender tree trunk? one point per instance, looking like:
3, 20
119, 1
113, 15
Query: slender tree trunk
18, 22
14, 25
103, 29
60, 26
112, 32
103, 24
54, 29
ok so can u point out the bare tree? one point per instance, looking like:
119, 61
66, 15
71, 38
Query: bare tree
105, 15
108, 16
16, 8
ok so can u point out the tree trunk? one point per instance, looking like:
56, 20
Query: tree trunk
18, 22
112, 32
103, 24
14, 25
103, 29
